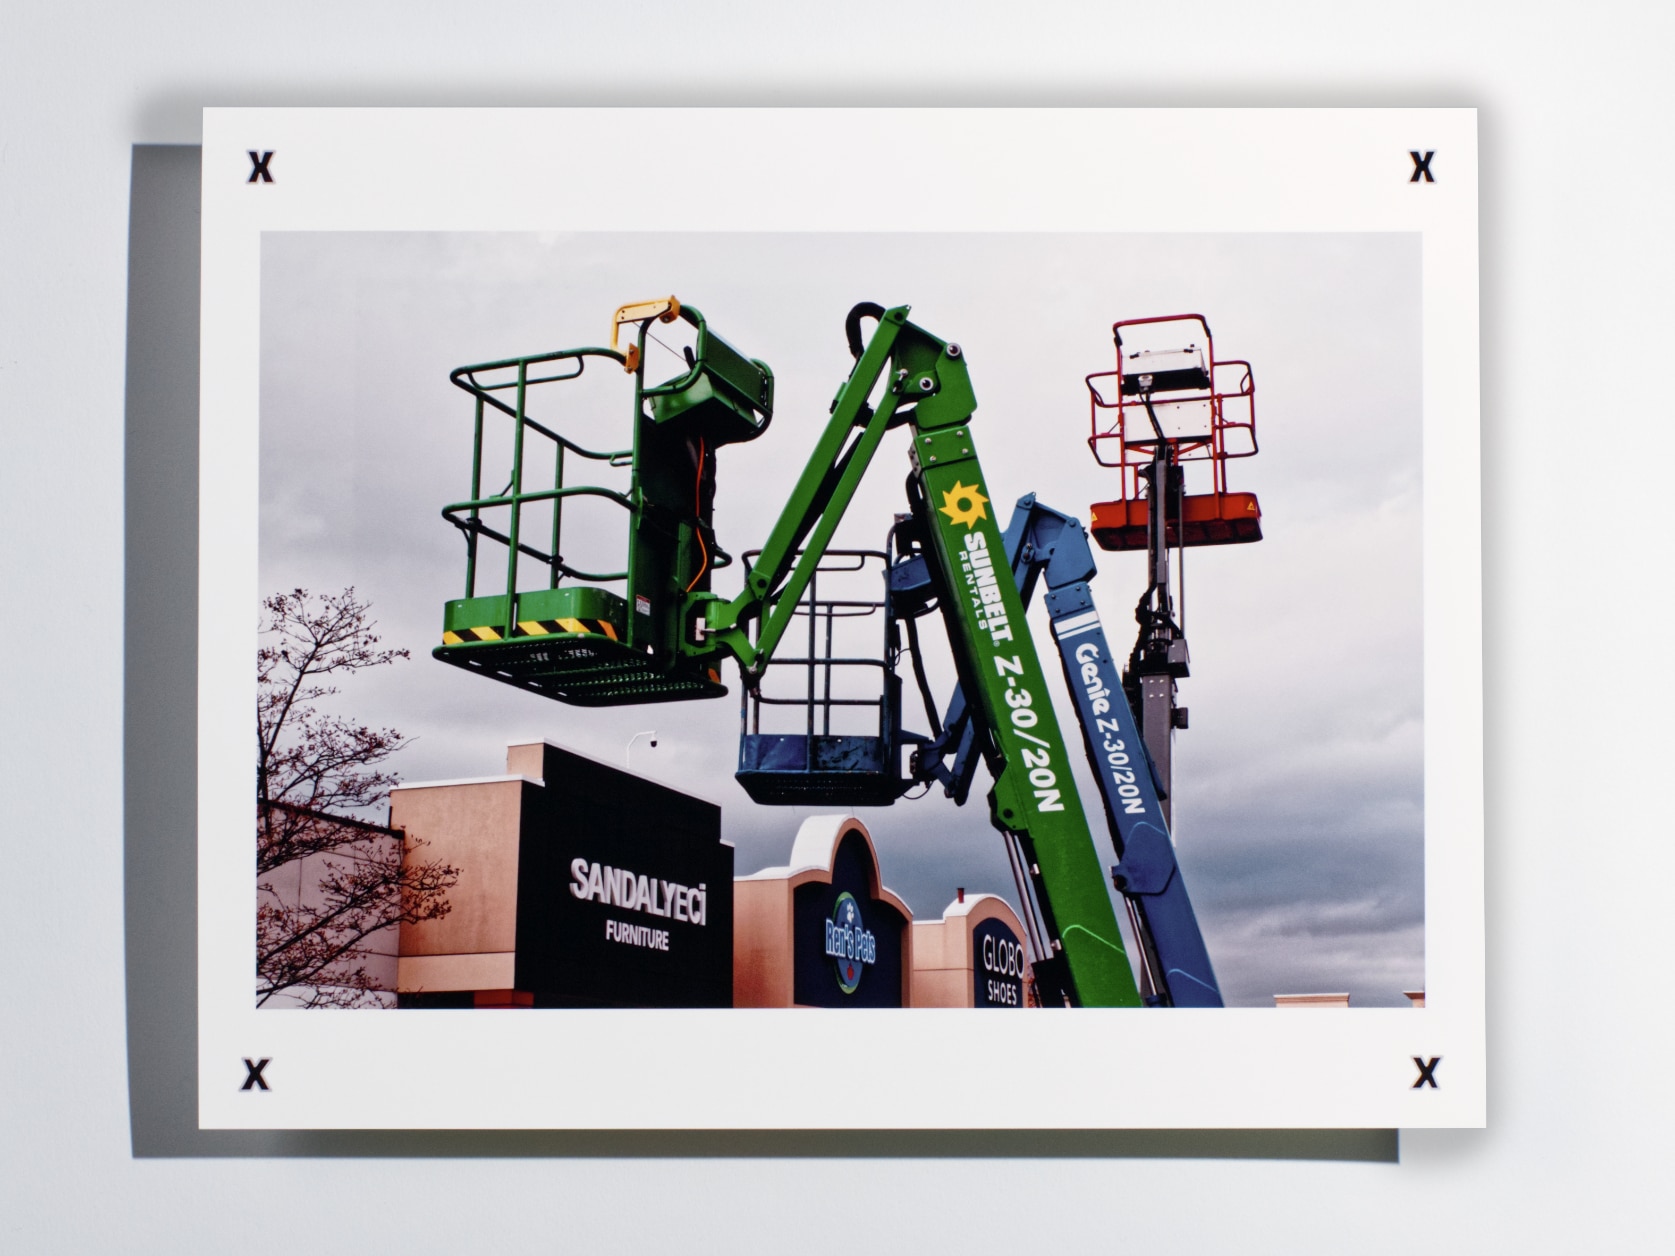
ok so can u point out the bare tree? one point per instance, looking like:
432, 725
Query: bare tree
327, 881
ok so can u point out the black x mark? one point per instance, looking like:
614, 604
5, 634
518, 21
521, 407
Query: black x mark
253, 1079
1427, 1071
259, 166
1421, 165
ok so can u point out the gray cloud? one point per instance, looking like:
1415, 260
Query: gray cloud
1300, 783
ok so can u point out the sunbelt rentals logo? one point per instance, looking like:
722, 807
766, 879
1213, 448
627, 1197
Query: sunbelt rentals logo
963, 504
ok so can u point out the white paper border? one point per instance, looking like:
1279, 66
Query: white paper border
843, 170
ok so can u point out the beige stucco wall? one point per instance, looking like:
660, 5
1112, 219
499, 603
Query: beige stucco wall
943, 959
1311, 1000
490, 971
474, 826
762, 974
297, 884
528, 760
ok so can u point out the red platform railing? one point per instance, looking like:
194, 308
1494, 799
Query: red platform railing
1203, 407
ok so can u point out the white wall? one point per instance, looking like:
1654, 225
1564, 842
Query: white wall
1576, 253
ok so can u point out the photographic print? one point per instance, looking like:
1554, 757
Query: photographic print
684, 616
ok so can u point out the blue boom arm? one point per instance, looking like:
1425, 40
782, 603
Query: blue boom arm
1049, 547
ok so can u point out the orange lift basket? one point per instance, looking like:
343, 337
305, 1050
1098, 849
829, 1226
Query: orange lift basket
1169, 387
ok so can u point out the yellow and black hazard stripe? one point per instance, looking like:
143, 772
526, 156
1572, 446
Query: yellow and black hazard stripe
532, 628
546, 627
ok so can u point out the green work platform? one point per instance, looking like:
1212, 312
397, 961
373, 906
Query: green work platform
575, 640
570, 644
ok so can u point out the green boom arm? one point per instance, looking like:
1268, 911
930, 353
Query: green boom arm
926, 386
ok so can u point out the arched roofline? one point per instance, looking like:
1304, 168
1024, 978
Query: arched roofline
815, 850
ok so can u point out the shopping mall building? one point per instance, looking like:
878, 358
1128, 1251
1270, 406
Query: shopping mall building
581, 885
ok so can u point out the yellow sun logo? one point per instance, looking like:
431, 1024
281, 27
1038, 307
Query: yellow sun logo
964, 505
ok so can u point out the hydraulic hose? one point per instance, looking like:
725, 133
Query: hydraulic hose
852, 325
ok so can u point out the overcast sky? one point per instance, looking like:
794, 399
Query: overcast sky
1299, 786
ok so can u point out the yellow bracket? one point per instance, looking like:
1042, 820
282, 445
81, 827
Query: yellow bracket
664, 310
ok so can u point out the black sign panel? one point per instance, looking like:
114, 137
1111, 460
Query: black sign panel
848, 944
997, 966
625, 892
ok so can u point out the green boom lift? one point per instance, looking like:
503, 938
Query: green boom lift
667, 635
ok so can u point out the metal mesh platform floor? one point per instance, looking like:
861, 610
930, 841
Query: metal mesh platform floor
583, 669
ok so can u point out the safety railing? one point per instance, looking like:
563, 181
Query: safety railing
1203, 407
505, 387
827, 682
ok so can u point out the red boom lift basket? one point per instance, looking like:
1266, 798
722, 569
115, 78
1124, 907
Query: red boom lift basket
1203, 407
